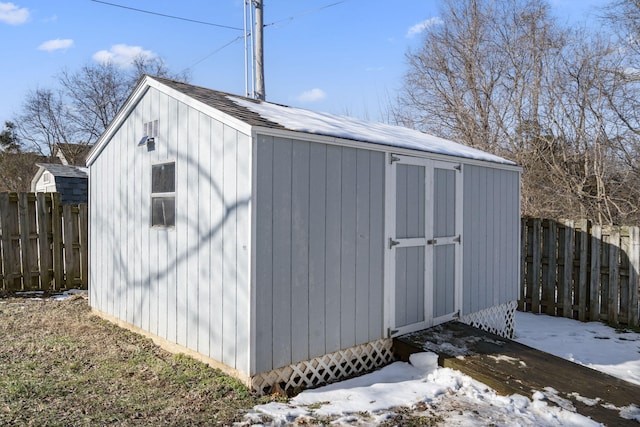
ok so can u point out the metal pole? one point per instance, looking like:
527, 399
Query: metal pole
246, 50
259, 28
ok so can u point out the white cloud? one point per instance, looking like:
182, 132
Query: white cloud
424, 25
12, 14
123, 55
312, 95
56, 44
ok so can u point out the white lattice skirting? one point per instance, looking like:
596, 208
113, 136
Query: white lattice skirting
499, 320
325, 369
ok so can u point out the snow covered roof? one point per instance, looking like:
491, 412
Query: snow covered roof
276, 116
266, 115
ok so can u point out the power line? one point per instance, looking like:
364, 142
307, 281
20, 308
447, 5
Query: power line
168, 16
215, 51
307, 12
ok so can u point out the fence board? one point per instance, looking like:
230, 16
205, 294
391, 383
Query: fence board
56, 230
582, 275
11, 242
549, 272
614, 277
567, 282
536, 265
594, 284
43, 206
584, 271
36, 251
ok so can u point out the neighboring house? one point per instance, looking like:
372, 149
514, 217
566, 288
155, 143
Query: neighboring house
288, 247
70, 181
71, 154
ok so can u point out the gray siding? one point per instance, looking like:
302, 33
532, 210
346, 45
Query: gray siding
491, 222
187, 284
319, 249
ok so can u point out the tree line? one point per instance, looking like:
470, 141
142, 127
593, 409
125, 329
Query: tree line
560, 100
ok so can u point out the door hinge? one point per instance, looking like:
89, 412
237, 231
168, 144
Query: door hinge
458, 239
391, 332
392, 243
432, 241
458, 167
457, 314
393, 158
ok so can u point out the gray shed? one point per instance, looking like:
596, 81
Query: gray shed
287, 246
70, 181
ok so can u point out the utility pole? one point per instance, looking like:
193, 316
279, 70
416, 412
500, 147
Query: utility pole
259, 50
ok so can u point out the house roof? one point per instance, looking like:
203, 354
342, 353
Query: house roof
262, 114
66, 171
72, 154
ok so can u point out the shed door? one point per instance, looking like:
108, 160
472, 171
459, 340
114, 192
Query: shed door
425, 243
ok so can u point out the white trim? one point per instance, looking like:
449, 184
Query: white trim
252, 254
389, 310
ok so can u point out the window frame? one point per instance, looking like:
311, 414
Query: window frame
154, 196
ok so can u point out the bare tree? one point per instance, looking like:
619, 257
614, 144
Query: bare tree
507, 78
87, 101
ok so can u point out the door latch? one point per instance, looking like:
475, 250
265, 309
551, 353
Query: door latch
432, 241
392, 243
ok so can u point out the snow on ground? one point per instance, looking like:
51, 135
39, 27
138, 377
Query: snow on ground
592, 344
425, 390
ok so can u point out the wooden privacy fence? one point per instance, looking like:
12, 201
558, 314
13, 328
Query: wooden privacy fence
579, 270
43, 243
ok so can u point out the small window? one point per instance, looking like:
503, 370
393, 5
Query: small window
163, 196
46, 177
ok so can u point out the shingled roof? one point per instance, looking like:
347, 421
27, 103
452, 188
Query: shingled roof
223, 102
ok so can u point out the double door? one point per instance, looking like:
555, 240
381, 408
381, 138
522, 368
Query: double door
424, 243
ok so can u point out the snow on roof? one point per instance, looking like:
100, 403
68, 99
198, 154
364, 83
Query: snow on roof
302, 120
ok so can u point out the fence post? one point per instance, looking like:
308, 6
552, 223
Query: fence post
83, 222
614, 275
549, 279
581, 286
535, 266
56, 229
28, 241
567, 305
43, 205
634, 266
594, 286
10, 241
523, 266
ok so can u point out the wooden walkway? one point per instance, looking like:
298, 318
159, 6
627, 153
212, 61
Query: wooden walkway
510, 367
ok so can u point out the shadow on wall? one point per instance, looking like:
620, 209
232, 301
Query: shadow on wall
150, 278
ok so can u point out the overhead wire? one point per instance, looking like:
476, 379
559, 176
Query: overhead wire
307, 12
274, 23
168, 16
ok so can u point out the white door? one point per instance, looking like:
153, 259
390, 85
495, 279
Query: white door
424, 243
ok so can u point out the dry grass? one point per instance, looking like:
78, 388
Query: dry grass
60, 365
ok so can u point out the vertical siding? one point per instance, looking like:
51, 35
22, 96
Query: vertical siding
187, 284
319, 254
491, 237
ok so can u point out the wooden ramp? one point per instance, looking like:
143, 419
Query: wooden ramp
510, 367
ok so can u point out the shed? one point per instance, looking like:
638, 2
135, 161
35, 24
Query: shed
70, 181
287, 246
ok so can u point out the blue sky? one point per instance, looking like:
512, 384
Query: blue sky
348, 58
